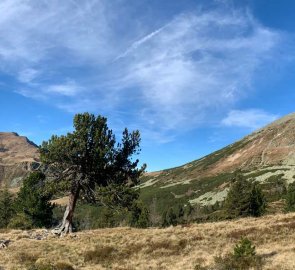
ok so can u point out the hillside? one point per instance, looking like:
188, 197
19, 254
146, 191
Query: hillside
18, 156
267, 156
172, 248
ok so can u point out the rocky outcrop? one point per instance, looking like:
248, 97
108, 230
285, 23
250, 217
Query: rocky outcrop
18, 156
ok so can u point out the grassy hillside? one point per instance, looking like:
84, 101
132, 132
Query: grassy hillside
178, 247
266, 156
207, 191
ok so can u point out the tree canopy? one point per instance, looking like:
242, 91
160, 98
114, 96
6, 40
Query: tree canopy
244, 198
89, 161
32, 203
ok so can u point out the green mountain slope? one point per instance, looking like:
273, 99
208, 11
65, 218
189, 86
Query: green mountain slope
267, 156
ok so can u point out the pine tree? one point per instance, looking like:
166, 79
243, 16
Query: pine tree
169, 218
257, 205
89, 162
33, 201
290, 198
244, 199
6, 208
139, 215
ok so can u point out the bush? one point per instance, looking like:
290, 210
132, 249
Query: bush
243, 257
244, 249
20, 221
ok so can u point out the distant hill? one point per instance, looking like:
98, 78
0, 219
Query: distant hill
18, 156
267, 155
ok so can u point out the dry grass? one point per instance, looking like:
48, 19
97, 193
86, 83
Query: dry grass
170, 248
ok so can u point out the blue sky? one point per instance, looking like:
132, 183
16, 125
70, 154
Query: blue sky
192, 76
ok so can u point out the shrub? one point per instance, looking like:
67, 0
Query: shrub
20, 221
244, 249
243, 257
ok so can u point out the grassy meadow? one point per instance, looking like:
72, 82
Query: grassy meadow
181, 247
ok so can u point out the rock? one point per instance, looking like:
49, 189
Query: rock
4, 243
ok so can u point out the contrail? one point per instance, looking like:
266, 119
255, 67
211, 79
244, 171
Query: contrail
139, 42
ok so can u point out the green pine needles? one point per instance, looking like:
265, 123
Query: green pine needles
244, 199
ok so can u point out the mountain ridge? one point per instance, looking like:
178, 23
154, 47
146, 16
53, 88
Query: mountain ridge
18, 156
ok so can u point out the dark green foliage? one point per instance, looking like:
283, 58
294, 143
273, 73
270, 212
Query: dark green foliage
33, 203
244, 257
90, 155
139, 215
89, 162
169, 218
173, 216
257, 203
188, 210
21, 221
244, 249
244, 199
290, 198
6, 208
275, 187
164, 196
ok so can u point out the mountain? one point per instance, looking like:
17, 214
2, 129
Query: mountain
267, 156
18, 156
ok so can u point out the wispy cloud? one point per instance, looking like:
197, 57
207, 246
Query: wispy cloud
28, 75
251, 118
168, 79
197, 63
140, 42
69, 88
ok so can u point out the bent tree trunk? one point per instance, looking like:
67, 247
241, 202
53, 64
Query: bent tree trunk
66, 225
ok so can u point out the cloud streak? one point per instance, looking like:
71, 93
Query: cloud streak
168, 79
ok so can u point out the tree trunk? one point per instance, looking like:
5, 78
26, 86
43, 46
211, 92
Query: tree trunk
66, 225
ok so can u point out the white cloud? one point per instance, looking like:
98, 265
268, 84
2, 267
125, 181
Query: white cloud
69, 88
32, 31
168, 75
197, 63
252, 118
28, 75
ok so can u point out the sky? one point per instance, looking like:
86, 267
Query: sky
192, 76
